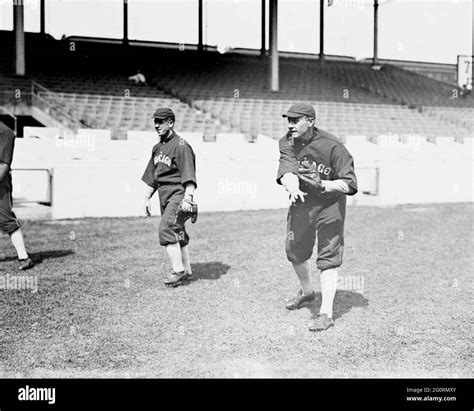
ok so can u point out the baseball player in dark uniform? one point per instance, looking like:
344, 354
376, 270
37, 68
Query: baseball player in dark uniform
172, 172
8, 221
316, 210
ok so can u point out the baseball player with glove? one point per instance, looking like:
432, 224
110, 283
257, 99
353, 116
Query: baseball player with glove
317, 170
172, 172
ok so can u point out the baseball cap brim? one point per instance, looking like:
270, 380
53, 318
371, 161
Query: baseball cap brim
292, 115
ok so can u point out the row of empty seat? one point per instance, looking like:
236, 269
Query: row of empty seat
105, 84
243, 79
252, 116
129, 113
236, 93
371, 120
399, 85
460, 116
226, 93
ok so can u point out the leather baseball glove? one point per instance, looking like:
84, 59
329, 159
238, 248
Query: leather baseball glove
309, 177
182, 215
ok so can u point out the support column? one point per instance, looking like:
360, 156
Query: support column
18, 28
376, 34
125, 22
321, 31
200, 26
263, 24
42, 17
274, 69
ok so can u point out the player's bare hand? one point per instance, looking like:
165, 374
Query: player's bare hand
295, 195
147, 207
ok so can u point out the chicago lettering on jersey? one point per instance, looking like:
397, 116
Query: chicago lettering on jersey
162, 158
323, 169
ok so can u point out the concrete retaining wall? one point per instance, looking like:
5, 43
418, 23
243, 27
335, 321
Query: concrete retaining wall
100, 177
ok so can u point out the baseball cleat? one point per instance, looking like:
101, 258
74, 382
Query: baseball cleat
190, 277
25, 264
175, 279
321, 323
299, 300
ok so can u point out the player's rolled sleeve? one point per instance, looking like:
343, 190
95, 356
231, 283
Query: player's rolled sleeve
288, 161
186, 162
343, 163
149, 174
7, 144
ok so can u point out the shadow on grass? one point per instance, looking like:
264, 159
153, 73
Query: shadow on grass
209, 271
344, 301
39, 256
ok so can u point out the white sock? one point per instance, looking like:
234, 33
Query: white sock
328, 290
19, 244
174, 252
185, 259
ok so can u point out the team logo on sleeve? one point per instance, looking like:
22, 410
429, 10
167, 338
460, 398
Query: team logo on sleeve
162, 158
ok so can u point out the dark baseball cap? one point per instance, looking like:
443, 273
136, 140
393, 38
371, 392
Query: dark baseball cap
163, 113
300, 109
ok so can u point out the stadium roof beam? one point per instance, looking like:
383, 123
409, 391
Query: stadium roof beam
273, 75
19, 29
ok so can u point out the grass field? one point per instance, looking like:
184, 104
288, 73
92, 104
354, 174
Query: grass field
101, 309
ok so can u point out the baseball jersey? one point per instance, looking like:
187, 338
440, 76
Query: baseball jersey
172, 162
333, 160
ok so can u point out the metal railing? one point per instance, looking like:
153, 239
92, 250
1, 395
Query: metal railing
45, 99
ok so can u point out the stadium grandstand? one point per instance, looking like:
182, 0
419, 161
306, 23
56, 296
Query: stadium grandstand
77, 84
228, 92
